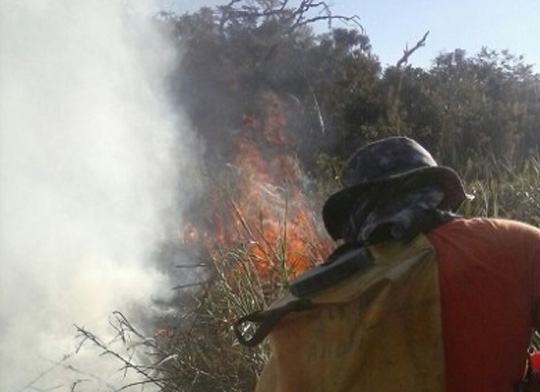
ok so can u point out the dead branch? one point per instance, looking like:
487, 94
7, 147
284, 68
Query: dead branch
127, 362
291, 18
325, 14
316, 105
396, 120
199, 265
30, 385
188, 285
408, 52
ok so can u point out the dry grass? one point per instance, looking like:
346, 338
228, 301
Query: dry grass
506, 192
201, 353
206, 354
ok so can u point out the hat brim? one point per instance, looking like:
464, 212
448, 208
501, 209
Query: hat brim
337, 207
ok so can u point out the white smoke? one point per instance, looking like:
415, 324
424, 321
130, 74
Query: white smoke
89, 157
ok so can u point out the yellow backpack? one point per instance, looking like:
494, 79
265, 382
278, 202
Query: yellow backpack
378, 329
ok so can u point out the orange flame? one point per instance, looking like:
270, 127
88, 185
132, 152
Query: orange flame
268, 210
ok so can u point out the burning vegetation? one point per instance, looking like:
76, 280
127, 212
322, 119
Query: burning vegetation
254, 228
262, 204
277, 108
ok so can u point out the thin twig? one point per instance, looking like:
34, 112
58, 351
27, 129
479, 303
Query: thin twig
127, 363
188, 285
200, 265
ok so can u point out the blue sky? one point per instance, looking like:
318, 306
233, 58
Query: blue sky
465, 24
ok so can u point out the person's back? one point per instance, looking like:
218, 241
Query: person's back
489, 274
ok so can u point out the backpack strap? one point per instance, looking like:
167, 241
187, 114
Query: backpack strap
345, 261
266, 320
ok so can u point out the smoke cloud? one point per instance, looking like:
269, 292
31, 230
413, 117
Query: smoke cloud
89, 161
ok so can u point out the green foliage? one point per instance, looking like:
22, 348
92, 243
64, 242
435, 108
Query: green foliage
469, 107
462, 109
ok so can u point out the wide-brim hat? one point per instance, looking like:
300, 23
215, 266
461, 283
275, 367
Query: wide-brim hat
380, 166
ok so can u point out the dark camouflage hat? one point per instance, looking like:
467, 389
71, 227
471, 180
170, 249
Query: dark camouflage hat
384, 164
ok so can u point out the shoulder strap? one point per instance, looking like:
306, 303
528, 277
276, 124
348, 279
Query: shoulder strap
266, 320
344, 262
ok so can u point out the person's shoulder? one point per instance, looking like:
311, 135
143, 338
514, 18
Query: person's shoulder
505, 224
504, 227
490, 226
502, 236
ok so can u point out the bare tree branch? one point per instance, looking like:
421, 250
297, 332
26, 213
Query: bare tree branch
408, 52
396, 94
291, 17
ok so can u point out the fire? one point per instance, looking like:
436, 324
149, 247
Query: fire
267, 209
